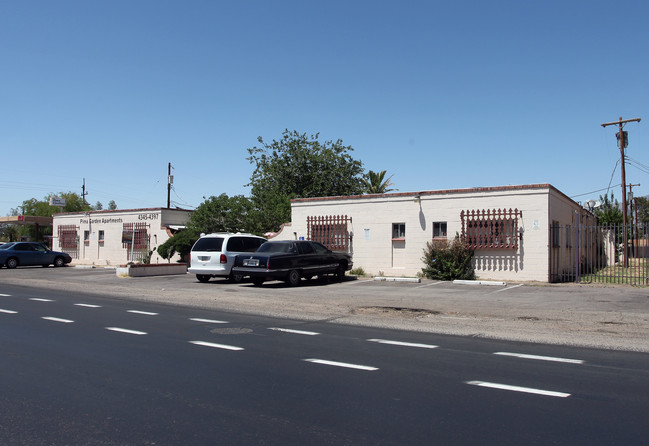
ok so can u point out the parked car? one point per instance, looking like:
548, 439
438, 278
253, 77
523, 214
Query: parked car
213, 254
31, 253
290, 261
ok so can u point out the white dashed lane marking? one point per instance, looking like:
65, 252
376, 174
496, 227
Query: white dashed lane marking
88, 305
402, 344
342, 364
57, 319
208, 321
124, 330
5, 295
8, 311
300, 332
145, 313
519, 389
213, 345
40, 299
541, 358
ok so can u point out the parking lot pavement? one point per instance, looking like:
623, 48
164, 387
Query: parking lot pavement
608, 317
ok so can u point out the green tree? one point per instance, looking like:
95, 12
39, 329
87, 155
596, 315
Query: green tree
376, 183
215, 214
609, 213
299, 166
225, 214
642, 208
112, 205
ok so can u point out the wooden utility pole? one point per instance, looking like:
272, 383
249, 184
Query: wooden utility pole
170, 180
622, 143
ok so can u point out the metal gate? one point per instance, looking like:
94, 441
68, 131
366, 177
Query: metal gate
596, 254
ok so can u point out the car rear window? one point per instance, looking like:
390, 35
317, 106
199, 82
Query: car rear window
208, 244
244, 244
274, 247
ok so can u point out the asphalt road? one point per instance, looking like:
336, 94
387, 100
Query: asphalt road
81, 368
590, 316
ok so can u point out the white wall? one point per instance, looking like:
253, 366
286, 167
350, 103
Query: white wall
373, 216
111, 251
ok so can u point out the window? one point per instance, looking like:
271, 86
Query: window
439, 229
68, 237
490, 229
330, 230
398, 230
568, 240
101, 237
556, 234
86, 238
135, 234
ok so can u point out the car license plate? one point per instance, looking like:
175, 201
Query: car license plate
251, 262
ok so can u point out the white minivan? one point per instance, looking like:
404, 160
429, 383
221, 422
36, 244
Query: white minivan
213, 254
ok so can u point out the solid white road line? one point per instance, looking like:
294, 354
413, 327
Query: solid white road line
541, 358
342, 364
39, 299
124, 330
519, 389
208, 321
213, 345
56, 319
403, 344
300, 332
88, 305
146, 313
8, 311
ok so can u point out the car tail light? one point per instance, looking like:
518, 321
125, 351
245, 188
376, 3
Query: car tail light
224, 259
268, 264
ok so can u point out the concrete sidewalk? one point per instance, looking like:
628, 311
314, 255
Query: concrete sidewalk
589, 316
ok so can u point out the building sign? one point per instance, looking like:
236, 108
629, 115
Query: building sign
56, 201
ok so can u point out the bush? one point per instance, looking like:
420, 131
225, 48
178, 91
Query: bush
444, 260
180, 243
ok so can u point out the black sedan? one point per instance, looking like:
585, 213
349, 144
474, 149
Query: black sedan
30, 253
290, 261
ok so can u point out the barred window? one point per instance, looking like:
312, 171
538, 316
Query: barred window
490, 229
135, 234
330, 230
68, 237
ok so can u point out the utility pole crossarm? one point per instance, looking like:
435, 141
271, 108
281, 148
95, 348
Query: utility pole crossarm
620, 122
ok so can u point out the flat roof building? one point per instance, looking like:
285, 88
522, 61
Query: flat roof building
116, 237
512, 229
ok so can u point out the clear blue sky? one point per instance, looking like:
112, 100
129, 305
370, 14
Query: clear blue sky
440, 94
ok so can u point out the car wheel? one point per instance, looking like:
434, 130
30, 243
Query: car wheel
258, 282
235, 278
203, 277
340, 272
12, 263
293, 278
58, 262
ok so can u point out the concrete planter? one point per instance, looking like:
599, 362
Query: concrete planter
154, 269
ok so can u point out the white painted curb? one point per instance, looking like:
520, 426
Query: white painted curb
479, 282
397, 279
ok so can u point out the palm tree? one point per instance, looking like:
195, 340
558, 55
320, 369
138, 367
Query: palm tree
375, 183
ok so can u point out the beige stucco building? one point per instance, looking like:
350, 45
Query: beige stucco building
116, 237
513, 229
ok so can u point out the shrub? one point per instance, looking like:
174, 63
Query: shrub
444, 260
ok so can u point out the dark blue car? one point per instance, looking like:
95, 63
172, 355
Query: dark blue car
30, 253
